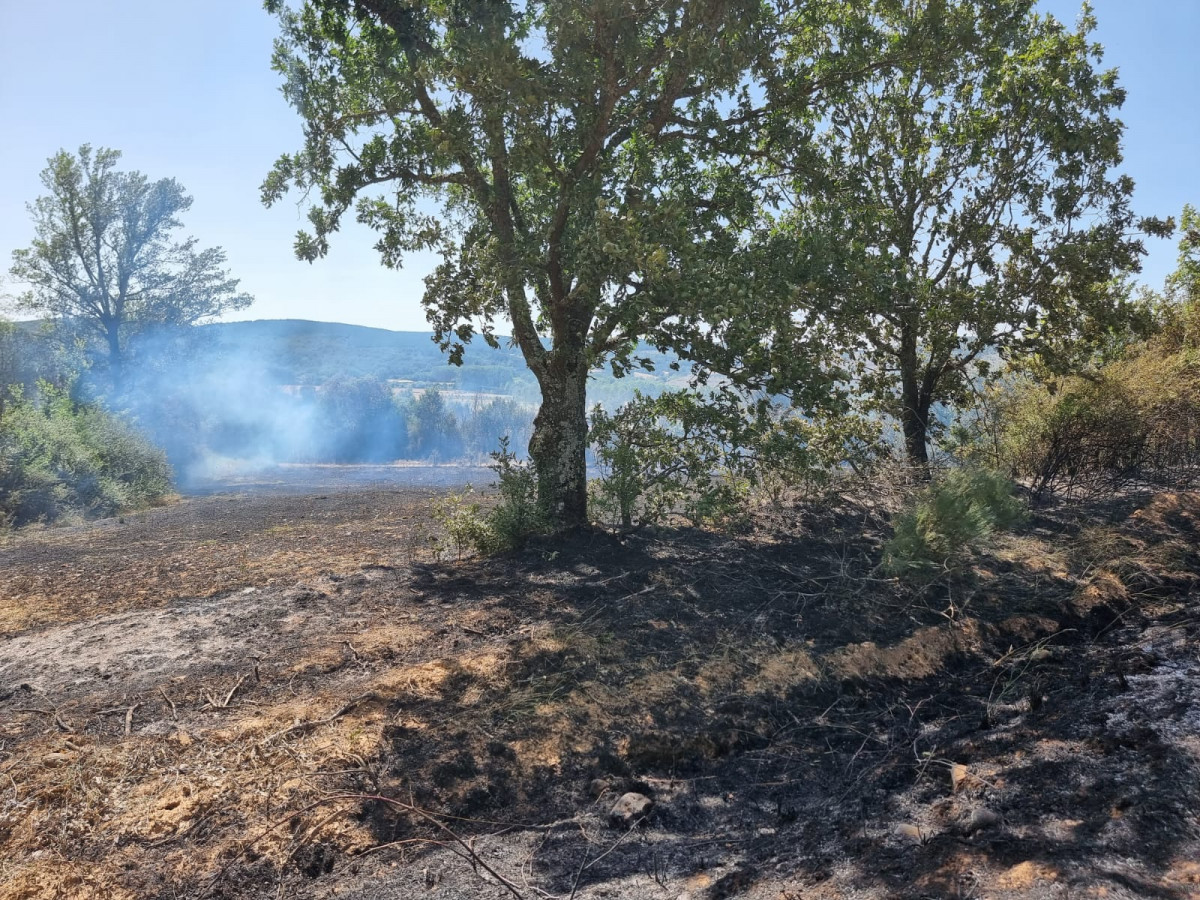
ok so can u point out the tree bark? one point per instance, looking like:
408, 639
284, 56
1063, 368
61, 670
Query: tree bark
915, 423
914, 404
116, 362
558, 447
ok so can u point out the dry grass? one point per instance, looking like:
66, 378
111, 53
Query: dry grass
752, 674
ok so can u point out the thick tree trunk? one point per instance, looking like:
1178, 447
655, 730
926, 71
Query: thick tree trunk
915, 423
558, 447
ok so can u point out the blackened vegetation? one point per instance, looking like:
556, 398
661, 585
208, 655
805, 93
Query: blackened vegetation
798, 720
803, 725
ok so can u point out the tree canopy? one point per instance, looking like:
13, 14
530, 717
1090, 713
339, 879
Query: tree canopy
958, 204
104, 259
570, 161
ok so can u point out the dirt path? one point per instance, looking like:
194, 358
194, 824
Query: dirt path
803, 728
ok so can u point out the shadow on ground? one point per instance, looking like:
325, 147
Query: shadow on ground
804, 726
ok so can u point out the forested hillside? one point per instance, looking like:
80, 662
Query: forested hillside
299, 352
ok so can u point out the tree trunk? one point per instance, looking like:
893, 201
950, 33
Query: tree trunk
558, 447
915, 422
116, 362
914, 405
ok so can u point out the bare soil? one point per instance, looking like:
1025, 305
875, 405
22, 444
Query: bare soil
282, 694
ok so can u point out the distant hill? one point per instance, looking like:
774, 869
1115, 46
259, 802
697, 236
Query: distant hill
306, 353
302, 352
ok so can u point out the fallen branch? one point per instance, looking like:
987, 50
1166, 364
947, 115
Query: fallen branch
48, 712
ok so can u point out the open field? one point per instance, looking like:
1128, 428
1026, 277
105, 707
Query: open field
283, 694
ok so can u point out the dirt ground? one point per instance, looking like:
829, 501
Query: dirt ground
282, 694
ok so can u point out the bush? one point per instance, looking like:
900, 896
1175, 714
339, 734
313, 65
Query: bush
463, 521
507, 525
58, 457
949, 519
1137, 419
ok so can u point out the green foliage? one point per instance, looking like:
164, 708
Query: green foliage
463, 521
59, 458
1128, 412
577, 165
519, 514
958, 204
1135, 419
103, 259
433, 431
357, 420
949, 519
508, 524
664, 455
699, 457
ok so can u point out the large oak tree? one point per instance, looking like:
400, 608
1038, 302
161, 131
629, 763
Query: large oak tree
104, 259
563, 157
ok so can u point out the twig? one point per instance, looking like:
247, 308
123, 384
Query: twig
129, 719
174, 711
224, 704
587, 865
468, 853
58, 720
262, 834
233, 690
316, 723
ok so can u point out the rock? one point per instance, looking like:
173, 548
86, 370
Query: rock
981, 819
598, 787
629, 810
911, 833
54, 760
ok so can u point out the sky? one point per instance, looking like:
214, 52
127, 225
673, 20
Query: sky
185, 90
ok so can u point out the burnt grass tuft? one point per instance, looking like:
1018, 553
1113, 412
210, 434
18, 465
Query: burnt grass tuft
805, 726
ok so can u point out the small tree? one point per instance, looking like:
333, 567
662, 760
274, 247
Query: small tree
103, 258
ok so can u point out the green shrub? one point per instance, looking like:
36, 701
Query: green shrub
58, 457
949, 519
507, 525
463, 521
701, 458
517, 516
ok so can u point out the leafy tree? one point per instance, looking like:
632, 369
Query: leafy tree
1180, 312
358, 420
568, 160
103, 258
961, 202
432, 429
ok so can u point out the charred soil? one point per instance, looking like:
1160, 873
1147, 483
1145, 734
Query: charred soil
288, 696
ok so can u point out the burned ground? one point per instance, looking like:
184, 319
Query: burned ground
310, 706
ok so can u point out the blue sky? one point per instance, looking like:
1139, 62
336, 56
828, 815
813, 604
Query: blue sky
185, 89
